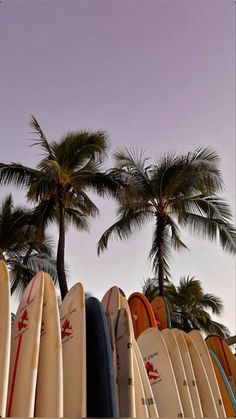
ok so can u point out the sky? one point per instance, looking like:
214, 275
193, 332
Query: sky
157, 75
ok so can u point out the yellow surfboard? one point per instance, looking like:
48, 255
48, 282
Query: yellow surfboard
205, 393
139, 394
125, 365
5, 336
49, 394
180, 375
73, 335
25, 350
191, 379
206, 359
112, 303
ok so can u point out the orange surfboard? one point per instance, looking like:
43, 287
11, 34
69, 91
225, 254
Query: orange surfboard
228, 405
220, 349
141, 312
161, 312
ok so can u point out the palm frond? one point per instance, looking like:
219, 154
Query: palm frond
17, 174
77, 218
43, 142
131, 159
177, 243
124, 227
99, 182
77, 147
212, 302
213, 229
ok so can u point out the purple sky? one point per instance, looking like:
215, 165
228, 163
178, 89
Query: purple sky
153, 74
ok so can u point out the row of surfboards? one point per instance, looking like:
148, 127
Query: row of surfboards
106, 359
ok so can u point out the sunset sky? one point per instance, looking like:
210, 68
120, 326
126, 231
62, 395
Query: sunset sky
158, 75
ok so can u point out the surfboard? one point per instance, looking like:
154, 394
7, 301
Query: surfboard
218, 346
150, 401
49, 392
160, 373
73, 335
139, 394
179, 371
190, 375
205, 393
206, 359
112, 303
125, 365
25, 350
5, 336
142, 385
232, 364
225, 389
141, 313
101, 394
161, 312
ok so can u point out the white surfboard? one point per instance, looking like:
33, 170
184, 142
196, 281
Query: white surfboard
150, 401
25, 350
125, 365
5, 335
73, 334
49, 394
191, 379
160, 373
206, 397
179, 371
206, 359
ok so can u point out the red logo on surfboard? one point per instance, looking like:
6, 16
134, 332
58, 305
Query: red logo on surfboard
24, 321
66, 329
151, 371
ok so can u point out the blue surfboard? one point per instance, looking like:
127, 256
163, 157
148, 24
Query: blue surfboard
101, 395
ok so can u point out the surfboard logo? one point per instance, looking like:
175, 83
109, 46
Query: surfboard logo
66, 329
24, 320
151, 371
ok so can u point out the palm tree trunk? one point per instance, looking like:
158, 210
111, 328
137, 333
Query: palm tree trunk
61, 245
160, 254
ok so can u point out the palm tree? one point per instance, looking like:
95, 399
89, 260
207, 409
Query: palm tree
190, 306
177, 191
20, 247
58, 185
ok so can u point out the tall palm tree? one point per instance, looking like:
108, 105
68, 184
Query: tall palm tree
20, 247
190, 306
177, 191
58, 185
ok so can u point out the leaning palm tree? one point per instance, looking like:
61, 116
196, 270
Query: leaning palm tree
177, 191
58, 185
20, 247
190, 306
